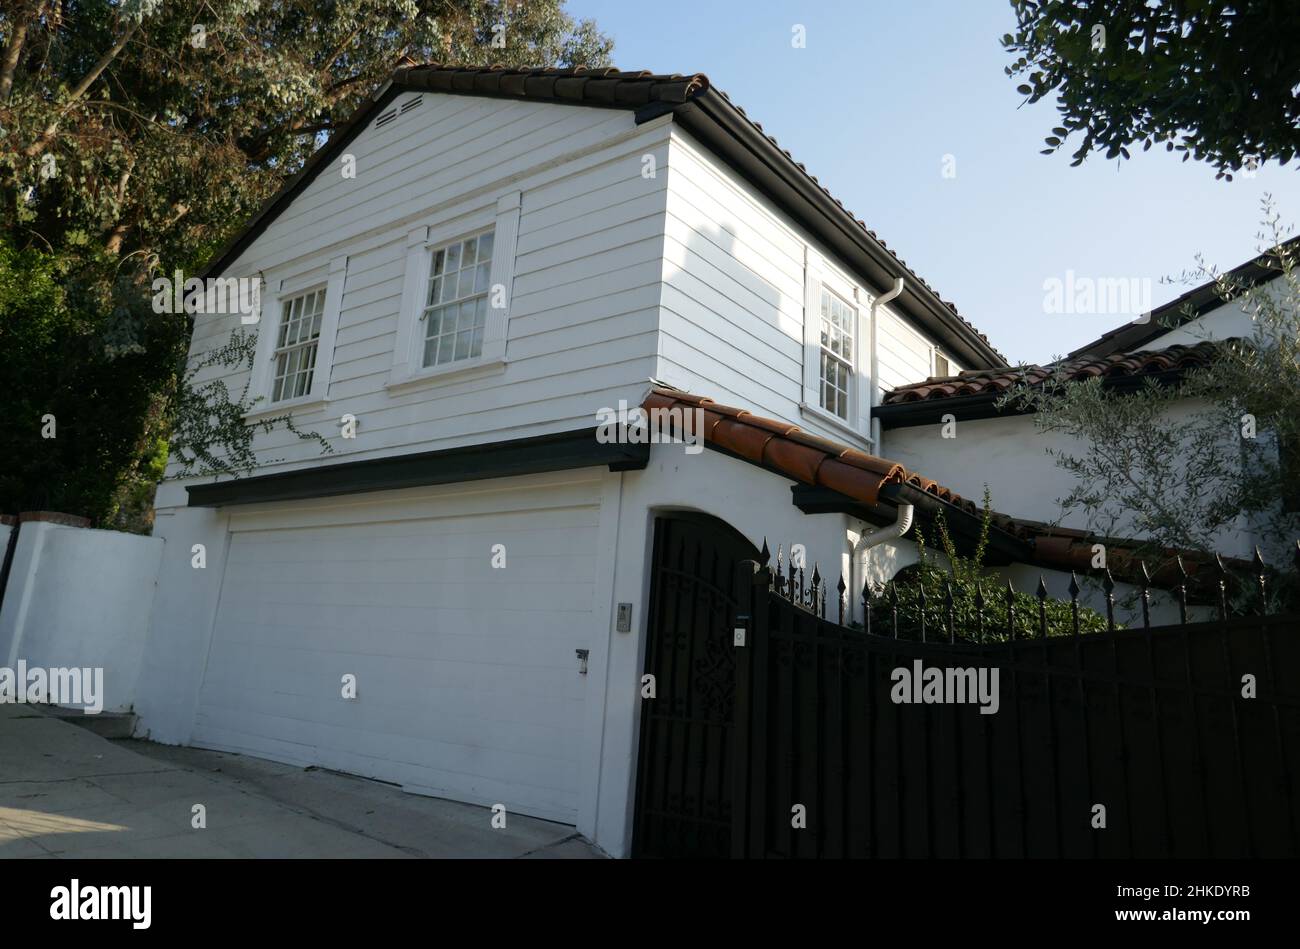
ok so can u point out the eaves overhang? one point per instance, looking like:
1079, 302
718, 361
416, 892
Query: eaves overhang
502, 459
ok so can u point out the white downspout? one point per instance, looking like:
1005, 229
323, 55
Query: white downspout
875, 383
902, 524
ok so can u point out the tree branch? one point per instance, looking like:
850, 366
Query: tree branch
38, 146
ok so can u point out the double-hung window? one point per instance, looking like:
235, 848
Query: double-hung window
456, 306
455, 309
837, 384
836, 355
297, 341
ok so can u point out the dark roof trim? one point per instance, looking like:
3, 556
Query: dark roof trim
984, 404
520, 456
1182, 310
963, 525
716, 122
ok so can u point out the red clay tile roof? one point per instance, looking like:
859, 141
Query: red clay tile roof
1065, 548
1117, 365
788, 450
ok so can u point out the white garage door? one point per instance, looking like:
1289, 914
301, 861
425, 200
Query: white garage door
467, 682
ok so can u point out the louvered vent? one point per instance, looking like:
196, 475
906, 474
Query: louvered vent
389, 116
410, 104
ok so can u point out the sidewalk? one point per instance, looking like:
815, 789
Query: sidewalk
65, 792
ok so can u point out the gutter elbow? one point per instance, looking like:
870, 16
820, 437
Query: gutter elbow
902, 524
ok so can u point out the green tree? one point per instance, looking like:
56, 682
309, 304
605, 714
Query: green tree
1214, 79
1184, 463
135, 137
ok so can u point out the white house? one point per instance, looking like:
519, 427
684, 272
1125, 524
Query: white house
458, 288
1000, 446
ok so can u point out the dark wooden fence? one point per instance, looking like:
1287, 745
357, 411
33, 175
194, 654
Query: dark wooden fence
1179, 741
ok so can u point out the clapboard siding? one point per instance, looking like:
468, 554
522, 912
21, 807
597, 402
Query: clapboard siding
687, 274
733, 290
733, 300
586, 284
903, 354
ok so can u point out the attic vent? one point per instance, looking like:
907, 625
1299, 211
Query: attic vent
410, 104
389, 116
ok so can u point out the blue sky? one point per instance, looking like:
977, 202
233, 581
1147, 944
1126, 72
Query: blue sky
883, 91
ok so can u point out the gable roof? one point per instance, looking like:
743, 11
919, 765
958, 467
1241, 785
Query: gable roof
707, 114
974, 394
1187, 307
1119, 365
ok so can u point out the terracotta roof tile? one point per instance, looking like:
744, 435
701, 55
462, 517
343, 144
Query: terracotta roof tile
813, 460
1114, 366
795, 453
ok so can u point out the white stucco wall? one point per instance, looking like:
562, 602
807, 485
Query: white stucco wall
1011, 456
1224, 321
78, 597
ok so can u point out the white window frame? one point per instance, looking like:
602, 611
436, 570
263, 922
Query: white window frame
331, 278
819, 275
502, 218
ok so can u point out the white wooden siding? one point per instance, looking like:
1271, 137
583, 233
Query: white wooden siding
733, 298
583, 311
689, 276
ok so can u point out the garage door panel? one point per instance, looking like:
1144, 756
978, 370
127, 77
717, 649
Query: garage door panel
525, 782
520, 568
279, 714
403, 680
484, 646
467, 596
263, 547
546, 506
467, 681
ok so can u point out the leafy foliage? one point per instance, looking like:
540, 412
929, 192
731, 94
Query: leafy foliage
979, 598
1214, 79
209, 420
135, 137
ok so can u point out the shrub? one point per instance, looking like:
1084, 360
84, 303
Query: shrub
921, 591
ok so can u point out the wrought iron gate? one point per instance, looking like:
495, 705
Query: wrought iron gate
683, 802
792, 745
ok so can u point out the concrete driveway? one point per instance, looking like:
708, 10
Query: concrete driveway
66, 792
